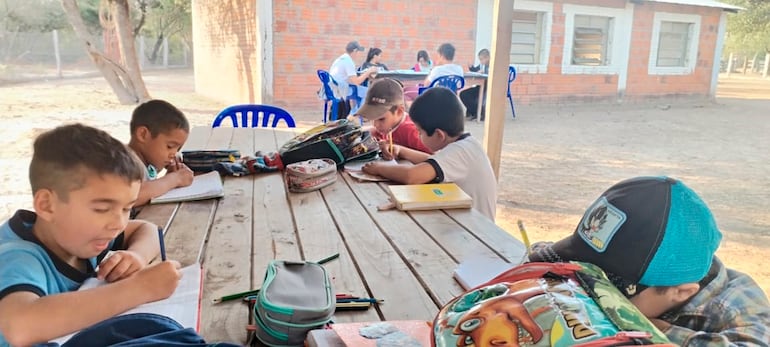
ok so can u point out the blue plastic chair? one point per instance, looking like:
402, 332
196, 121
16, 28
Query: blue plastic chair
511, 78
330, 113
453, 82
268, 112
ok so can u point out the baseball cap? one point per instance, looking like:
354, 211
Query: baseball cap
644, 232
381, 96
353, 46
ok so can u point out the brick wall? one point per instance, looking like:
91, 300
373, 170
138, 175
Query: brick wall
225, 40
640, 84
310, 34
555, 87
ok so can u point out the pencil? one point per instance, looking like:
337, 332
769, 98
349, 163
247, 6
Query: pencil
369, 300
178, 159
162, 244
390, 147
524, 236
256, 291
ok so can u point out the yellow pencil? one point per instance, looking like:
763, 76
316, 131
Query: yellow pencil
524, 236
390, 138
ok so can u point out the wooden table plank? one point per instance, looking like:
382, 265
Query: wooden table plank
387, 276
227, 263
505, 245
428, 259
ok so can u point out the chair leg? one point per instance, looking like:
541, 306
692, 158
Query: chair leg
513, 110
326, 106
334, 110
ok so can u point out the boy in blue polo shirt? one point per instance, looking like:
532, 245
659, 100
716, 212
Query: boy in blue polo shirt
84, 183
655, 238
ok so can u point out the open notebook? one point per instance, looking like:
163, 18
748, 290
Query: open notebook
429, 196
182, 306
206, 186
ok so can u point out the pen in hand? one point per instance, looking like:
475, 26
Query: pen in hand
162, 244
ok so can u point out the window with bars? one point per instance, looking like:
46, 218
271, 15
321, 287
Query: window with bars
673, 44
526, 37
591, 41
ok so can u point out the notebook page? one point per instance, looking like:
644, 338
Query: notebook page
182, 306
208, 185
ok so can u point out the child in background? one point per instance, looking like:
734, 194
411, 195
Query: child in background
444, 67
655, 238
158, 131
439, 118
423, 62
384, 107
84, 183
374, 58
470, 95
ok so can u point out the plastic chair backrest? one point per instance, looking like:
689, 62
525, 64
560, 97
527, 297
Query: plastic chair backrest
327, 80
453, 82
268, 112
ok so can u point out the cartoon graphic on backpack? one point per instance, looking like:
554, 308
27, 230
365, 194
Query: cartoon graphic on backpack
544, 304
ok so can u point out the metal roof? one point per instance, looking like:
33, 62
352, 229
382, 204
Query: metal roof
705, 3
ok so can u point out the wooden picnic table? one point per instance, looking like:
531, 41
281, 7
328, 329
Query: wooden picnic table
406, 259
411, 77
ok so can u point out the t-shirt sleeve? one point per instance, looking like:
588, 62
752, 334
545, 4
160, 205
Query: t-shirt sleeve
453, 162
21, 271
433, 74
350, 69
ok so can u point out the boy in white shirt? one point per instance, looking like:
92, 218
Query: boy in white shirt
439, 117
444, 67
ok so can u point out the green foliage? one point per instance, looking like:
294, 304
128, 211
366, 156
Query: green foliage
31, 15
748, 31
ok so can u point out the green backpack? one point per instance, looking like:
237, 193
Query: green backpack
545, 304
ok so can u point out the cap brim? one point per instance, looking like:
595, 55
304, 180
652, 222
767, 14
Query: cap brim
373, 112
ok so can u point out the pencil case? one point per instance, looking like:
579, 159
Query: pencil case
203, 161
310, 175
296, 297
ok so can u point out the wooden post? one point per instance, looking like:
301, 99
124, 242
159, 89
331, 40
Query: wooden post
502, 18
729, 65
754, 63
165, 52
56, 53
767, 63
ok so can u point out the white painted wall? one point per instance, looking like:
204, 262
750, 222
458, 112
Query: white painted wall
718, 54
265, 51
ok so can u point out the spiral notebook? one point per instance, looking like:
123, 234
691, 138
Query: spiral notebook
429, 196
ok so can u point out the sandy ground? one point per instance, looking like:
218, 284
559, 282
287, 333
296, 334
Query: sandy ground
556, 159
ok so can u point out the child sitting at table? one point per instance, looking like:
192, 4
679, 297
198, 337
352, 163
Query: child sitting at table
656, 239
384, 107
158, 131
423, 62
445, 66
84, 183
439, 117
470, 95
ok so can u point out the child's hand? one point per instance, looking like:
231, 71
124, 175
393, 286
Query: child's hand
372, 168
158, 281
389, 153
183, 175
120, 265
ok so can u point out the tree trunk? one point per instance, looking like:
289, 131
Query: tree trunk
126, 41
156, 48
117, 76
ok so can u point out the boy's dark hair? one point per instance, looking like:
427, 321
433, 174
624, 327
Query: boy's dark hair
65, 156
159, 116
438, 108
447, 51
484, 51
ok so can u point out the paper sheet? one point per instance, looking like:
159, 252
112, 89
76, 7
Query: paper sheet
183, 305
206, 186
358, 165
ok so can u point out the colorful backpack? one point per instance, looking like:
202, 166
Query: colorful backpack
545, 304
339, 141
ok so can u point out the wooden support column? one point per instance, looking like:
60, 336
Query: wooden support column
502, 17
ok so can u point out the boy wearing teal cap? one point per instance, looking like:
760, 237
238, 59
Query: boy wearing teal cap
655, 238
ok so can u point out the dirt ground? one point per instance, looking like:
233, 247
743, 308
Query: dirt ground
556, 159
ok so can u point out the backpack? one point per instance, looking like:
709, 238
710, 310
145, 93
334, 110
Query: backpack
340, 141
544, 304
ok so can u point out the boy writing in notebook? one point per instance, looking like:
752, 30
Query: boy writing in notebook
439, 118
158, 131
655, 238
384, 107
84, 183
